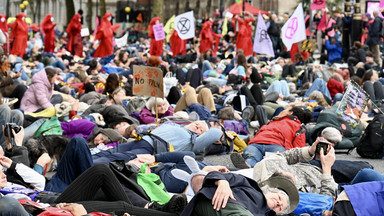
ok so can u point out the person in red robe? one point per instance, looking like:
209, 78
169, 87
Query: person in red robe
4, 29
156, 48
19, 35
48, 29
244, 35
105, 36
178, 45
75, 43
207, 37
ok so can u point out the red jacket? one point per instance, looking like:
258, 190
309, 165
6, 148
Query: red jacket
334, 87
281, 132
19, 36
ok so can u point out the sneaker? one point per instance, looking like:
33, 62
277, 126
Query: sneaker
238, 161
9, 101
248, 113
175, 205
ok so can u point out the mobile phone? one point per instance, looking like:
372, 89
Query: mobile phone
322, 145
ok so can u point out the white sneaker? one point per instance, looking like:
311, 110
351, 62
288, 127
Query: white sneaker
254, 124
9, 101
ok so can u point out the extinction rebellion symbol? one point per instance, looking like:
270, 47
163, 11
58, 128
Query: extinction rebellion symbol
291, 28
184, 25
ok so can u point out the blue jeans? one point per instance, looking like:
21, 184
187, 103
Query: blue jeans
338, 97
367, 175
11, 207
9, 116
318, 85
124, 151
255, 152
206, 66
279, 86
30, 130
76, 159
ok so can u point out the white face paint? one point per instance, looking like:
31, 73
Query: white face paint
79, 20
52, 19
109, 18
23, 18
2, 19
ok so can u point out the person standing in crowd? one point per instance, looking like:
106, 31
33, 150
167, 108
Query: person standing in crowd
274, 32
105, 36
48, 29
244, 35
373, 40
75, 43
207, 37
156, 48
19, 35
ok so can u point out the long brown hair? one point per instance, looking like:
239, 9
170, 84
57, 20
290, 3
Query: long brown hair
241, 60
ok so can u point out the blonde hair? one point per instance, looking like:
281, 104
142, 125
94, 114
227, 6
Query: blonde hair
151, 103
319, 98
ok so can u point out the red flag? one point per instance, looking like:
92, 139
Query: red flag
318, 4
323, 22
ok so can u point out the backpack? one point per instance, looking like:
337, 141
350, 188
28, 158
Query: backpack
372, 142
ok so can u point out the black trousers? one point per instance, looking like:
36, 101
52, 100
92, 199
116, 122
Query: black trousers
99, 177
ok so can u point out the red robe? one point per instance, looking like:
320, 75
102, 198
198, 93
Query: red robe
75, 43
178, 45
156, 48
19, 36
207, 38
48, 29
244, 36
105, 36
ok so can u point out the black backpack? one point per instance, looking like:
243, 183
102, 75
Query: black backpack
372, 142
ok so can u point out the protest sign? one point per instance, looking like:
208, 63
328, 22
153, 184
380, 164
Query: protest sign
307, 45
148, 81
158, 30
84, 32
353, 104
120, 42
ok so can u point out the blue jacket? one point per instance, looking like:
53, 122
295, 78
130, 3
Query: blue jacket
334, 51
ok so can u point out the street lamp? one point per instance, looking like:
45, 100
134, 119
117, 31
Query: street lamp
23, 5
127, 10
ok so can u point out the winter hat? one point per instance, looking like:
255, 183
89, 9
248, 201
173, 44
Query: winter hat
111, 134
332, 135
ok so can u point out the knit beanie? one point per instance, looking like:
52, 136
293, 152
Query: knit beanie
332, 135
111, 134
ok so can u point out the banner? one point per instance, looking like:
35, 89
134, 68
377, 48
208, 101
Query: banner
262, 43
148, 81
185, 25
158, 30
84, 32
353, 104
120, 42
293, 30
318, 4
169, 27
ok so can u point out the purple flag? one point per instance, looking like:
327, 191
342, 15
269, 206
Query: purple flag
262, 43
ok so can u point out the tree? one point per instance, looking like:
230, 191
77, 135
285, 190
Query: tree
157, 9
89, 14
70, 10
103, 10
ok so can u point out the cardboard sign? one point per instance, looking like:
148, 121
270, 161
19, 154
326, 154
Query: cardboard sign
148, 81
84, 32
307, 45
158, 30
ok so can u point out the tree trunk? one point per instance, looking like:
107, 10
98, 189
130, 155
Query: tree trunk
177, 7
70, 10
103, 10
157, 9
89, 14
209, 6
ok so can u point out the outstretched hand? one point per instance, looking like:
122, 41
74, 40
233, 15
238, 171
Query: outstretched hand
222, 194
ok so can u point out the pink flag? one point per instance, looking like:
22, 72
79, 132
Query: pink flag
96, 26
381, 5
323, 22
318, 4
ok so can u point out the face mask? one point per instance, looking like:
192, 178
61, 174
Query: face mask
52, 19
2, 19
109, 18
